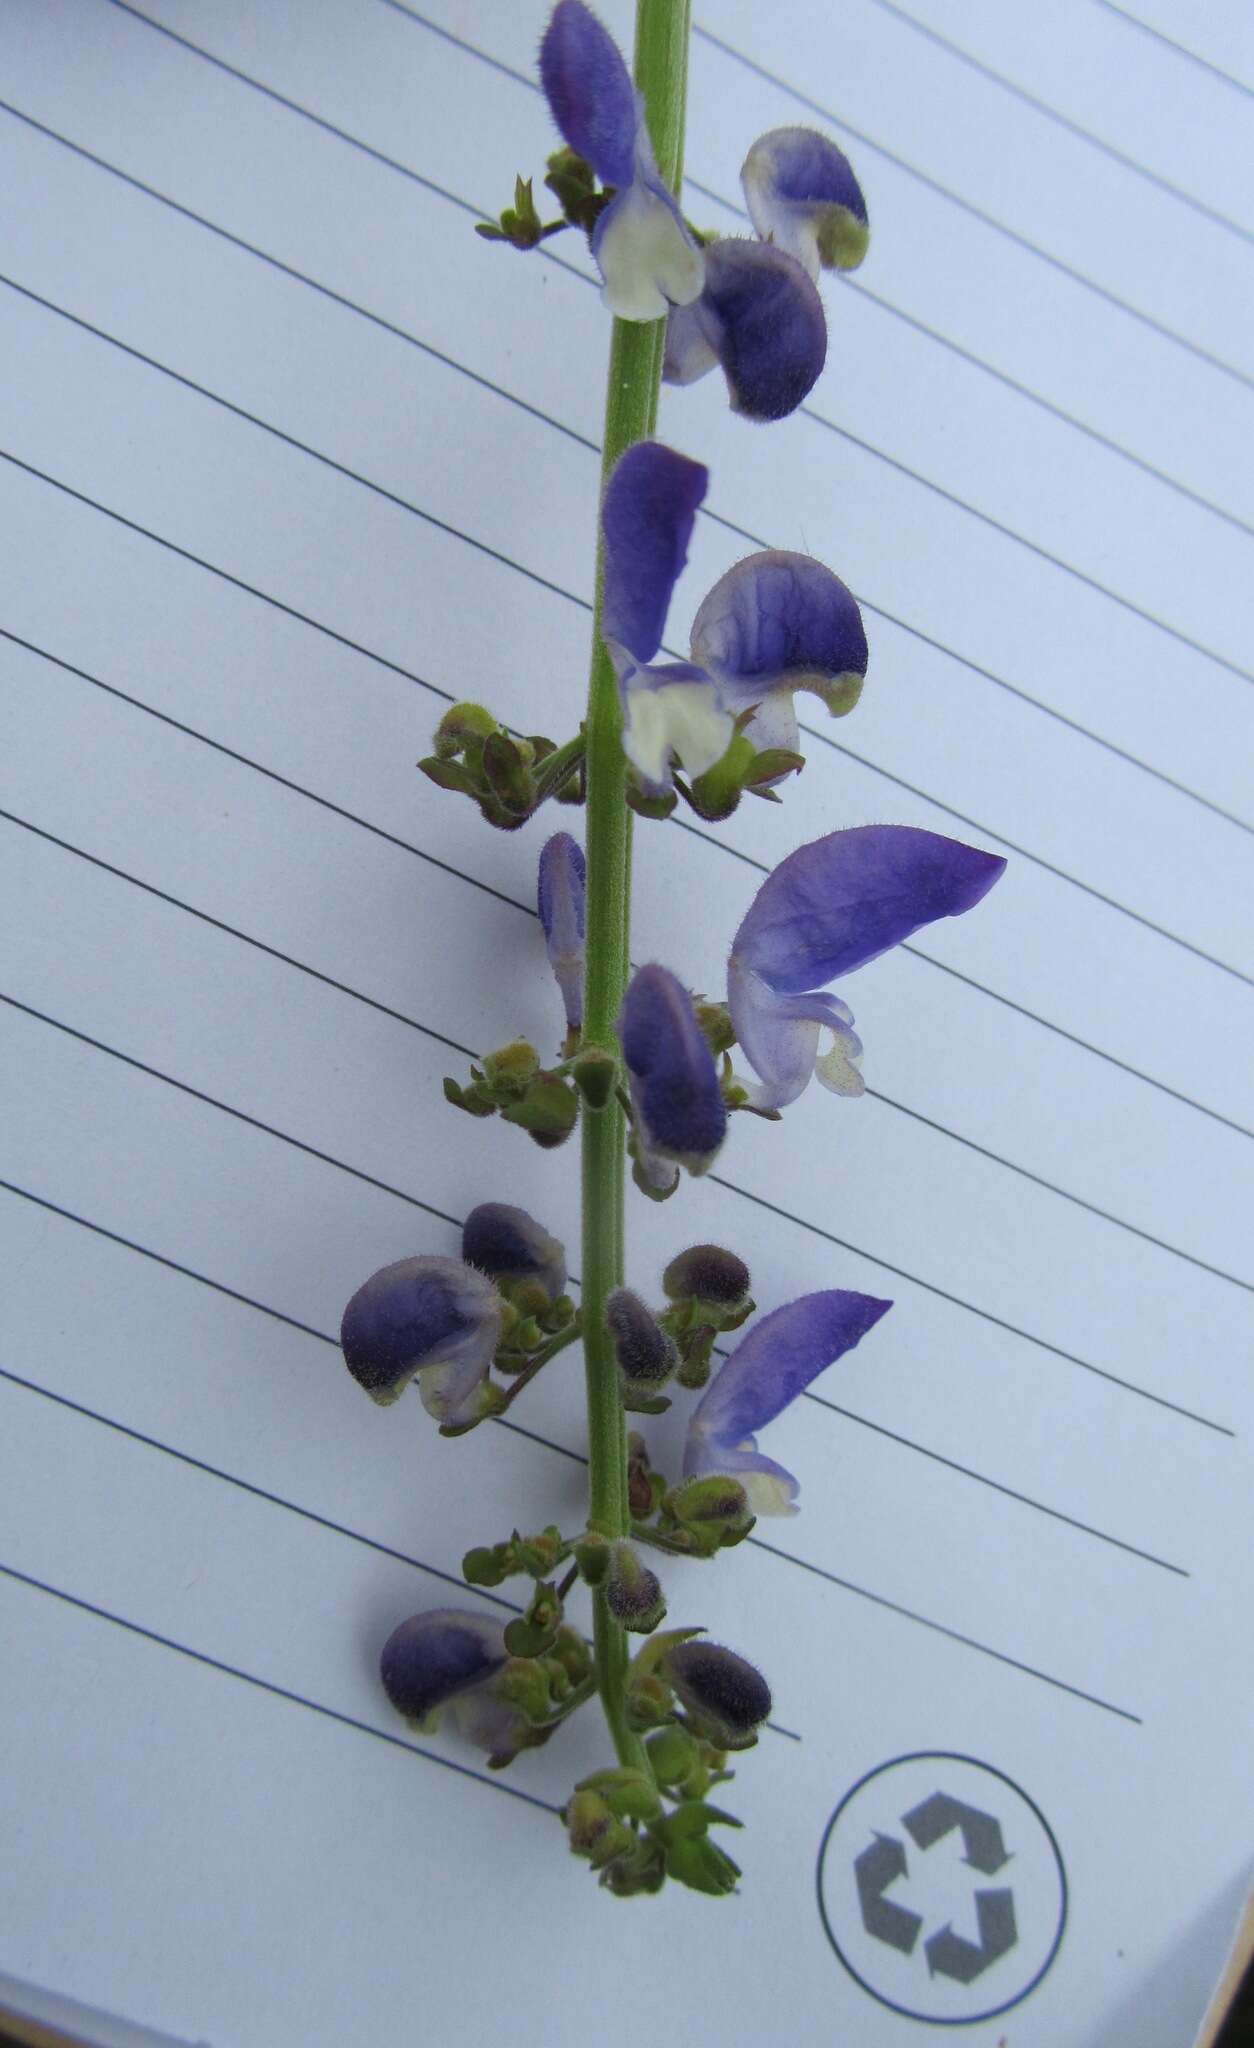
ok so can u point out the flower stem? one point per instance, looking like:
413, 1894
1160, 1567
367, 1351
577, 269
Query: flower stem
635, 373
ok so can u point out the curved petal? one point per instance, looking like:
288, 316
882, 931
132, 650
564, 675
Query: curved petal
672, 712
762, 316
432, 1657
781, 621
589, 91
433, 1316
779, 1036
674, 1083
560, 902
802, 195
644, 249
775, 1363
690, 354
647, 518
842, 900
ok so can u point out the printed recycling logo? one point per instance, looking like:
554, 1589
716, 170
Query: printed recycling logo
941, 1888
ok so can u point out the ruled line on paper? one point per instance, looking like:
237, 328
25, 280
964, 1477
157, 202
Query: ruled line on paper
1040, 106
572, 597
282, 1692
1148, 618
460, 874
505, 1422
735, 853
371, 1002
1181, 49
415, 1201
278, 1500
854, 283
967, 206
511, 398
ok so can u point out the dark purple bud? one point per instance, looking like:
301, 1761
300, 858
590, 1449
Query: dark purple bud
434, 1656
508, 1244
723, 1690
705, 1272
633, 1593
645, 1353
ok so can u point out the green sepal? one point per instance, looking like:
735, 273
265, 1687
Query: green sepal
843, 239
468, 1099
510, 1070
647, 806
595, 1074
484, 1566
629, 1794
673, 1754
714, 1020
593, 1830
450, 775
548, 1112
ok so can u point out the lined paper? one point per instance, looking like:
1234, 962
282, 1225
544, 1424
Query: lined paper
289, 460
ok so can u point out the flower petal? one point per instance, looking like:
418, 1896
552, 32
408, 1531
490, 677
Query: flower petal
674, 1083
435, 1317
673, 711
589, 91
560, 901
643, 247
762, 317
432, 1657
647, 518
802, 195
781, 622
775, 1363
842, 900
779, 1036
508, 1244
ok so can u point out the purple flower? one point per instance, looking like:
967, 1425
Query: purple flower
508, 1244
647, 257
773, 624
802, 196
560, 901
431, 1316
431, 1658
675, 1096
768, 1369
760, 316
441, 1665
829, 908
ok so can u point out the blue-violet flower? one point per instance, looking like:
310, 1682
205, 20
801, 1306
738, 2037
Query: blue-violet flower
560, 901
441, 1665
677, 1105
802, 196
768, 1369
775, 623
760, 317
508, 1244
432, 1316
648, 258
826, 910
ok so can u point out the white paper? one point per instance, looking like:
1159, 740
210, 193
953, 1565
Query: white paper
290, 458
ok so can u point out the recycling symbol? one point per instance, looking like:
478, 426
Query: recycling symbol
885, 1861
941, 1888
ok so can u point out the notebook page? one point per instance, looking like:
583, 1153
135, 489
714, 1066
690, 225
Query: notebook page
289, 460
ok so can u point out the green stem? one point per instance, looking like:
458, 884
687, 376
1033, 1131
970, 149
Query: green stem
635, 374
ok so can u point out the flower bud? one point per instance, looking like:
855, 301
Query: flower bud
711, 1276
560, 900
727, 1697
593, 1830
633, 1593
646, 1356
507, 1244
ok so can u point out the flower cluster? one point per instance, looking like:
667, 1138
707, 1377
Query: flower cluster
473, 1331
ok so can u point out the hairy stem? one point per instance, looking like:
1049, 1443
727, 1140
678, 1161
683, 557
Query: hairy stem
661, 70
